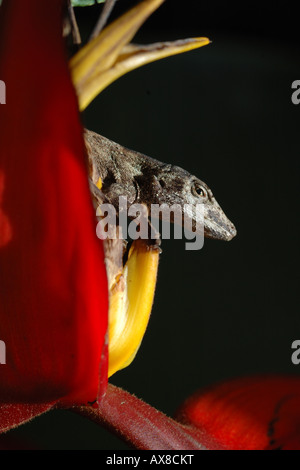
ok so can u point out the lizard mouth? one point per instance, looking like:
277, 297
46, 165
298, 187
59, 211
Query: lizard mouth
217, 225
218, 234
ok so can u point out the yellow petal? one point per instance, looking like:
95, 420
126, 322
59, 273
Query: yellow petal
101, 53
131, 57
131, 300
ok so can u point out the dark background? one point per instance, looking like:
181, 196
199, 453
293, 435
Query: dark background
224, 113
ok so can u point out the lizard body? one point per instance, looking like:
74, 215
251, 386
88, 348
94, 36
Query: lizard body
144, 180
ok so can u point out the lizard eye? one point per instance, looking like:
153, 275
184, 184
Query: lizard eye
198, 190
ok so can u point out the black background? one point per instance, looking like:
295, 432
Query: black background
224, 113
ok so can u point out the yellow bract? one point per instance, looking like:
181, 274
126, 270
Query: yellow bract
101, 53
131, 58
109, 56
131, 299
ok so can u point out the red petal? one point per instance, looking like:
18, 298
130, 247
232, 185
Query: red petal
53, 288
248, 414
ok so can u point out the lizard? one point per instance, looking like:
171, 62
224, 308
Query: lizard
144, 180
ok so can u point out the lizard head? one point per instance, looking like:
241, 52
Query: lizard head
147, 181
173, 185
216, 223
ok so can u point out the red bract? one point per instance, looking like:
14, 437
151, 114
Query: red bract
248, 414
53, 288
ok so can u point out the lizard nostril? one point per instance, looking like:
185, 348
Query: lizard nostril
162, 183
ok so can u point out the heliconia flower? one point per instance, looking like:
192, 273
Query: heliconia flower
53, 285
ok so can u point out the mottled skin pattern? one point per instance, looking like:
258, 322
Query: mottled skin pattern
144, 180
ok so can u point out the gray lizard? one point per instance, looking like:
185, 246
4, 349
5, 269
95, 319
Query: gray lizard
144, 180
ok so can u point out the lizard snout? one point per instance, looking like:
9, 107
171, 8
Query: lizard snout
216, 223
